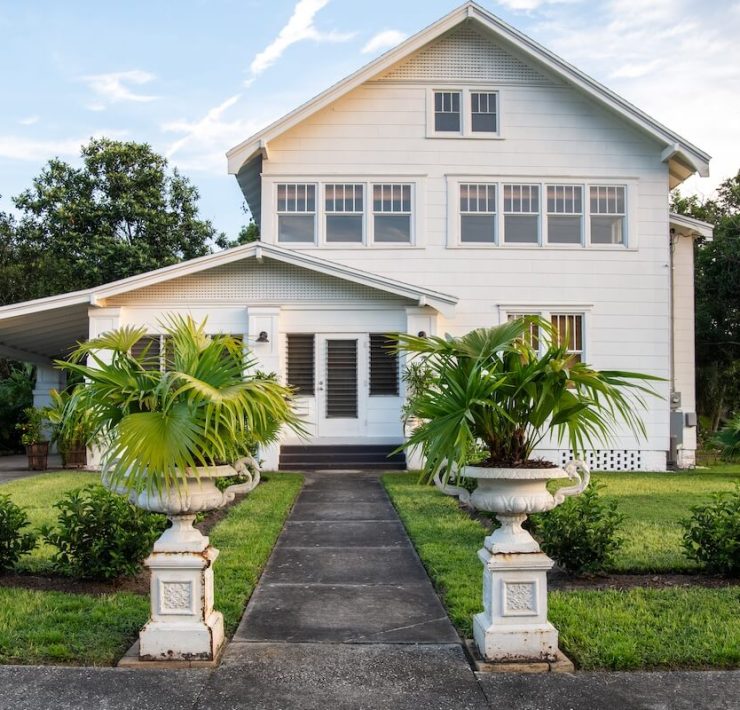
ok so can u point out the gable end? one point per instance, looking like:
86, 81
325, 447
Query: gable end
464, 54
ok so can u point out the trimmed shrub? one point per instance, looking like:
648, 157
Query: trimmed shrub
13, 542
581, 534
712, 533
100, 535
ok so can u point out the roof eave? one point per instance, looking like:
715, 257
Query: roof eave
242, 152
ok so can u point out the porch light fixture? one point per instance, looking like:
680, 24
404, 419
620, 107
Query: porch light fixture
422, 334
262, 338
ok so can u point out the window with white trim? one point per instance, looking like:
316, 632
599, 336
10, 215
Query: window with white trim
447, 114
478, 213
568, 330
521, 205
296, 209
533, 337
392, 213
564, 214
344, 207
483, 111
608, 213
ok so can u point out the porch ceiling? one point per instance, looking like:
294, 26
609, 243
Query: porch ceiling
42, 336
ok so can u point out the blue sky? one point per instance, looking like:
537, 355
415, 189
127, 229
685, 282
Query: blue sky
195, 77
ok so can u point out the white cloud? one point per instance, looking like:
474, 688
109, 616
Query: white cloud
203, 142
115, 86
300, 27
29, 120
528, 5
29, 149
675, 59
384, 40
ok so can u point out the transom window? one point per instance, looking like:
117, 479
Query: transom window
564, 214
521, 205
392, 213
608, 212
296, 208
483, 112
477, 213
447, 111
344, 209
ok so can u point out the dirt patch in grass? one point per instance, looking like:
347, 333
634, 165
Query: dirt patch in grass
558, 579
134, 585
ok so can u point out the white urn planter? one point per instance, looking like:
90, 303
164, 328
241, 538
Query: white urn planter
513, 625
183, 625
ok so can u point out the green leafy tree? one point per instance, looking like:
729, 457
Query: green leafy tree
717, 282
121, 213
247, 234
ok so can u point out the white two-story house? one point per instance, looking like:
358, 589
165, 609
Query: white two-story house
467, 176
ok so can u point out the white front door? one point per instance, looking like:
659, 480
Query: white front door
341, 384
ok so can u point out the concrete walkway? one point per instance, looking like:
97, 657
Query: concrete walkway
345, 617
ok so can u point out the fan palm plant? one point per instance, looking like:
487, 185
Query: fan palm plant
159, 419
497, 387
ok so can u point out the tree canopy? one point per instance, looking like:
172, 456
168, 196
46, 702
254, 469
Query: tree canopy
121, 213
717, 282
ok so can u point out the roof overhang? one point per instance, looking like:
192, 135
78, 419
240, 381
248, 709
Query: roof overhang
39, 331
690, 227
682, 157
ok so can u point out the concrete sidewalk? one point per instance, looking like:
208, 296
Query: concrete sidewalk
345, 616
15, 467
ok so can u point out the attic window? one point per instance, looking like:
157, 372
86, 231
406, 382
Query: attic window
447, 118
483, 112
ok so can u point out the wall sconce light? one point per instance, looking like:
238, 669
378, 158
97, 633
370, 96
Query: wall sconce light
262, 338
422, 334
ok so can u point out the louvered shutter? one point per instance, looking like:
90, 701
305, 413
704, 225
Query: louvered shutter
149, 344
383, 366
341, 379
300, 359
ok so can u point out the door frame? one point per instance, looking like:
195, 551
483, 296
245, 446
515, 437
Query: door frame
327, 427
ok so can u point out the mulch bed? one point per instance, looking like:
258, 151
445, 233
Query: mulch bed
134, 585
562, 581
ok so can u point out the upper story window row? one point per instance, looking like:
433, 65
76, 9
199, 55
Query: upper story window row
463, 113
538, 214
340, 216
482, 212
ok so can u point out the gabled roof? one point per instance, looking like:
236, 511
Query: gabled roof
691, 226
17, 320
683, 157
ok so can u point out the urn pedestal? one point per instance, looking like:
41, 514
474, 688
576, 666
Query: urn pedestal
513, 625
183, 625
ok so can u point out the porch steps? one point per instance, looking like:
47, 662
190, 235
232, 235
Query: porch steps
360, 457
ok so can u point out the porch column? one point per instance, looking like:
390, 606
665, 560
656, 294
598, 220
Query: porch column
263, 337
101, 320
48, 378
420, 321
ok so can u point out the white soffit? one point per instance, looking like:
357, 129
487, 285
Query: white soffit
683, 157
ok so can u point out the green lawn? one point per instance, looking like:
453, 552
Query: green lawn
53, 627
639, 628
653, 505
37, 495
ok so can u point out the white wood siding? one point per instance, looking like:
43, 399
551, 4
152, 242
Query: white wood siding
549, 132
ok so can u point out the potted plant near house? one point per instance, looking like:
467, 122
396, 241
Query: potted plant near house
507, 389
171, 427
35, 437
71, 435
